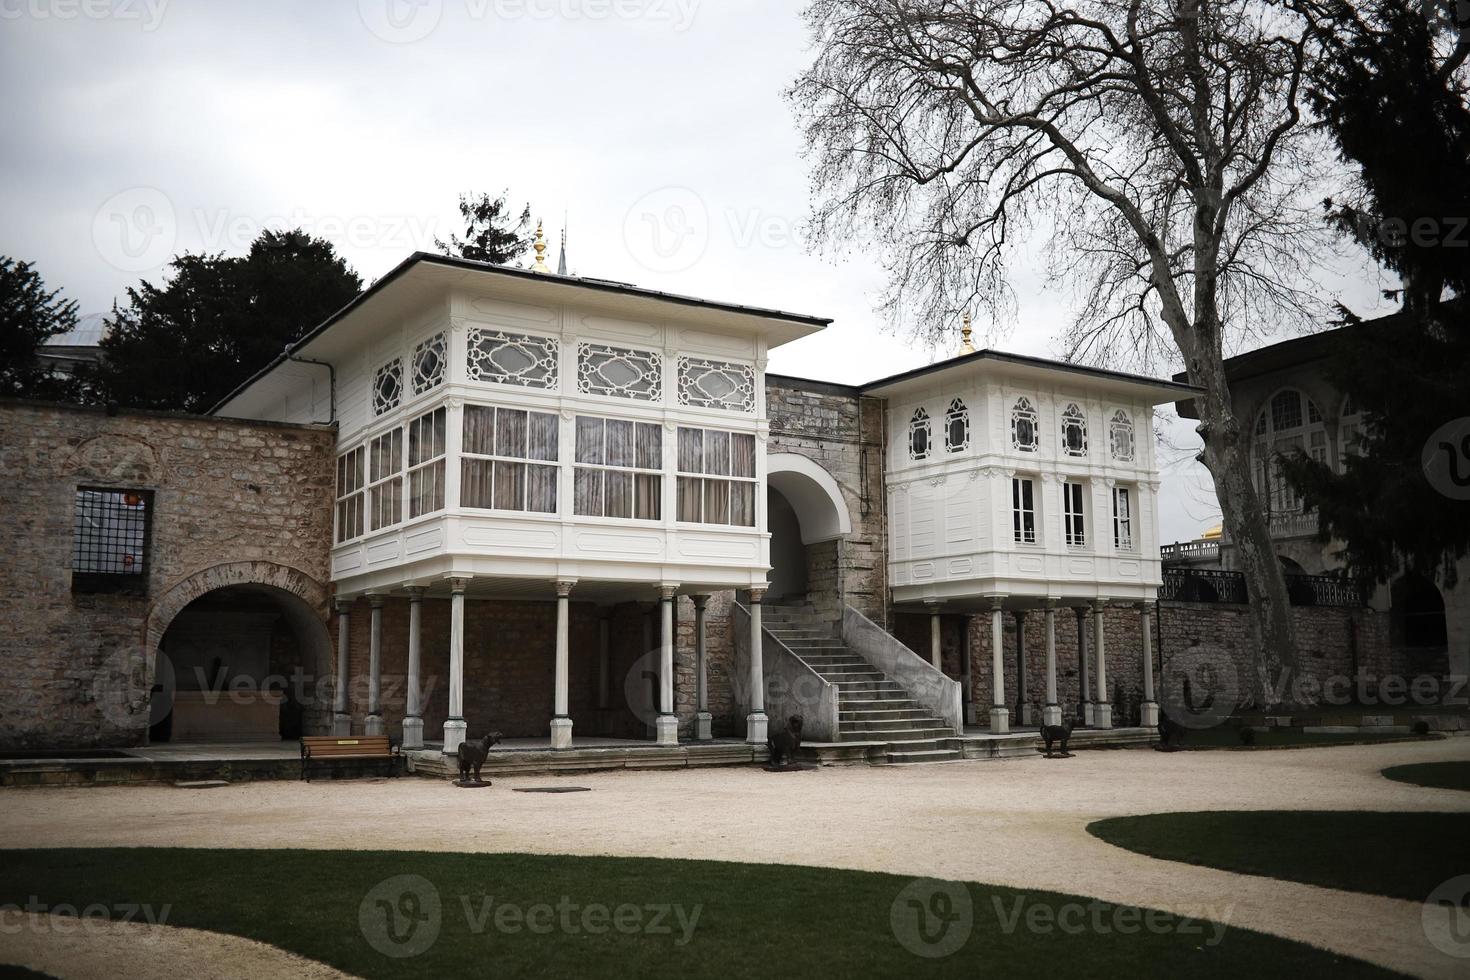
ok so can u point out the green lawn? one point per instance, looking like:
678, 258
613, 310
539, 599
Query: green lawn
1401, 855
752, 920
1436, 775
1228, 737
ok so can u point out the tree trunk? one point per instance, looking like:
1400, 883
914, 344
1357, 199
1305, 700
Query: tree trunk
1227, 457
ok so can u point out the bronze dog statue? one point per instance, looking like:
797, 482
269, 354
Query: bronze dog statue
784, 744
472, 756
1057, 733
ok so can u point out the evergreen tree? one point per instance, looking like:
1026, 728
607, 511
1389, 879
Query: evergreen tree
217, 320
1392, 93
491, 233
30, 315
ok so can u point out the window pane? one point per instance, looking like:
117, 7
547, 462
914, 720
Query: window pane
474, 483
479, 430
589, 441
691, 498
510, 433
742, 455
619, 494
587, 493
648, 489
619, 443
541, 489
650, 446
387, 503
426, 489
542, 437
717, 452
691, 450
510, 486
742, 504
717, 501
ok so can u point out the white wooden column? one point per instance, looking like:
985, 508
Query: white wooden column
756, 722
936, 637
341, 707
1052, 713
561, 722
703, 720
1149, 712
1103, 710
666, 731
413, 716
374, 724
999, 715
1084, 674
454, 728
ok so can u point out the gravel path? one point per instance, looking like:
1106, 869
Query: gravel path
1015, 822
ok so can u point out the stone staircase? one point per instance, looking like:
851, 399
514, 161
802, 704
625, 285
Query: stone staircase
876, 716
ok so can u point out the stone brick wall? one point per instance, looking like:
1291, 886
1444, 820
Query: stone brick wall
233, 502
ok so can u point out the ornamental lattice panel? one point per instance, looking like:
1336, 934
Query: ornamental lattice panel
429, 359
388, 387
704, 383
512, 358
619, 372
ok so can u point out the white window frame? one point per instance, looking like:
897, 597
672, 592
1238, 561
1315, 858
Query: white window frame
437, 461
1074, 514
1122, 441
496, 459
1023, 409
1073, 417
1023, 510
385, 486
603, 468
686, 478
351, 504
957, 414
1125, 537
919, 426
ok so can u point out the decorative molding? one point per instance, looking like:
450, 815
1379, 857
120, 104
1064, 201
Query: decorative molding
430, 359
503, 357
620, 372
388, 387
707, 383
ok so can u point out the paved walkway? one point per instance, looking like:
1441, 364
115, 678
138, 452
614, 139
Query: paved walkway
1019, 822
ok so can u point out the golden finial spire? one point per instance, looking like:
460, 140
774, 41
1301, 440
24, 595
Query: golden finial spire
965, 346
540, 264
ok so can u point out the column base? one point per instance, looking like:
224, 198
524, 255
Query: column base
1000, 721
704, 726
561, 733
1089, 714
341, 725
666, 730
1103, 715
1051, 715
972, 713
755, 727
413, 733
454, 730
1148, 715
375, 726
1029, 715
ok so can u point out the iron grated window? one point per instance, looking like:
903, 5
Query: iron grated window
110, 540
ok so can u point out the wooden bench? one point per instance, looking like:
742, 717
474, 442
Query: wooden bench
325, 748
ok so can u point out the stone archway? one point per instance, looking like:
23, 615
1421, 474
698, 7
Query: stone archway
807, 517
264, 627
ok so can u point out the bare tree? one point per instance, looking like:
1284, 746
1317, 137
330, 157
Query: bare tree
1158, 145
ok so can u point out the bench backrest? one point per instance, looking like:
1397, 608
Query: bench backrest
325, 746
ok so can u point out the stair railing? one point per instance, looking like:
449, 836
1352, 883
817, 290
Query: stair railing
925, 684
792, 686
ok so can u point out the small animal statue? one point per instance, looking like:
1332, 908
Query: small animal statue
1057, 733
472, 756
783, 744
1171, 733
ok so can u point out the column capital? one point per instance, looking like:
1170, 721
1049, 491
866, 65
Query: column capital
997, 602
375, 600
564, 587
1050, 603
1098, 605
344, 605
1020, 615
934, 606
415, 592
666, 593
700, 601
756, 595
458, 585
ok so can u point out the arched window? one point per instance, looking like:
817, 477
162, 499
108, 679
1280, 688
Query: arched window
956, 427
1349, 433
1023, 426
1074, 431
919, 436
1289, 422
1120, 436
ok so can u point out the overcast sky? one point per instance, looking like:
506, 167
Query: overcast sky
136, 129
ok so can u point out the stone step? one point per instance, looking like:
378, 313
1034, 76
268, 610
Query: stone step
848, 671
852, 703
882, 714
914, 757
908, 735
893, 725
